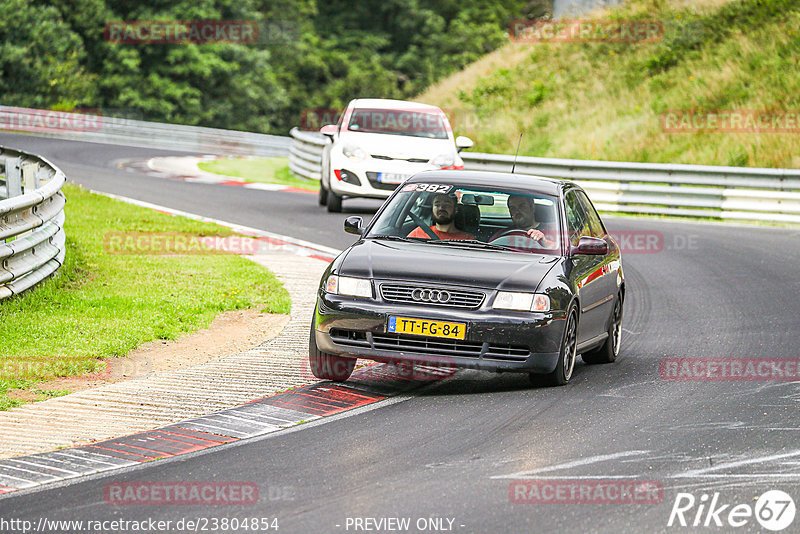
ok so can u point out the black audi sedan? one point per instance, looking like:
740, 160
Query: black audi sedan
468, 269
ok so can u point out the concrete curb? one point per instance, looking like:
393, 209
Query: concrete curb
164, 398
197, 408
186, 168
368, 385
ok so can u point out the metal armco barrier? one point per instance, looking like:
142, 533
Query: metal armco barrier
32, 240
129, 132
742, 193
305, 154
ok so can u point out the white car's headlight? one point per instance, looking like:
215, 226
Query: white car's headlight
444, 160
354, 152
345, 285
507, 300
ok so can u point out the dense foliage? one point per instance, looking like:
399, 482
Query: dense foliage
609, 101
309, 54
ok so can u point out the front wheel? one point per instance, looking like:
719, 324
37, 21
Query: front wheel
334, 202
322, 198
566, 356
328, 366
609, 350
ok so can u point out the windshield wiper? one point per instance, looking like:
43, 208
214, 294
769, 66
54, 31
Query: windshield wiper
468, 242
394, 238
472, 242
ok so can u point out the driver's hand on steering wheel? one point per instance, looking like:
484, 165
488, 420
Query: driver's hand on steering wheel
536, 235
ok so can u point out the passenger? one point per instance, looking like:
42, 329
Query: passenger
444, 213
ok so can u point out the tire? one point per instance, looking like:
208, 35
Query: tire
324, 171
609, 350
327, 366
566, 356
334, 202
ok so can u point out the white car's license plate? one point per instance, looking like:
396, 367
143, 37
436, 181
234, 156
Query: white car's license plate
392, 177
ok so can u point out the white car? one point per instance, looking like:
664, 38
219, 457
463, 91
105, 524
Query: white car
378, 144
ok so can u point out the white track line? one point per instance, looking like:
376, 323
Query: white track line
296, 246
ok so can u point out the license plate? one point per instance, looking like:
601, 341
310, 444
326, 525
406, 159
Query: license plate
392, 177
424, 327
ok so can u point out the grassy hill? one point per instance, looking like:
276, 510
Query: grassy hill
605, 101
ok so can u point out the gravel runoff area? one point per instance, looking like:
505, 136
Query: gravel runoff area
160, 399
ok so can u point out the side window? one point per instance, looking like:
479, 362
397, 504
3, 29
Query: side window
596, 225
577, 225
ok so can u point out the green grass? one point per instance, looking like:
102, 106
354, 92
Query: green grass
264, 170
103, 305
603, 101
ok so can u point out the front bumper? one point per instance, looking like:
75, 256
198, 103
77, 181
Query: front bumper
367, 172
495, 340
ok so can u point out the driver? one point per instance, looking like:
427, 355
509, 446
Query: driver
522, 210
444, 213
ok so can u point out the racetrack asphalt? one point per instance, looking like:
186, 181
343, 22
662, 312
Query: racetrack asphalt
453, 450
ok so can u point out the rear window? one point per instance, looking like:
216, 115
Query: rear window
399, 122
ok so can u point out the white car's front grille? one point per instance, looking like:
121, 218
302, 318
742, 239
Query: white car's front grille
410, 160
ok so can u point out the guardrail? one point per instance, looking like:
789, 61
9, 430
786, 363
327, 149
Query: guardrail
742, 193
32, 239
130, 132
305, 153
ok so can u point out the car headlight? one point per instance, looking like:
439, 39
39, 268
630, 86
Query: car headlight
444, 160
345, 285
354, 152
507, 300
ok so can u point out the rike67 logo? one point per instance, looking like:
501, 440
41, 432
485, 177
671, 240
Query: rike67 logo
774, 510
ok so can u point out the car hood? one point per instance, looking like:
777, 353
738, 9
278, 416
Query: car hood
399, 146
424, 262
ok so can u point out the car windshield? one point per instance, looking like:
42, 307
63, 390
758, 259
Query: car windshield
399, 122
470, 216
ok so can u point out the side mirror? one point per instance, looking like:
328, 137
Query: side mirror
329, 130
590, 246
463, 142
352, 225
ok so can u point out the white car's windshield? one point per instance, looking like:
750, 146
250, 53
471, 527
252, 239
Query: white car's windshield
399, 122
471, 216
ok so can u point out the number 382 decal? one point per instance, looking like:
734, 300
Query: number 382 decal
430, 188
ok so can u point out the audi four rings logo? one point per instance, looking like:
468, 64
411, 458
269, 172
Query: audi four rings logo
430, 295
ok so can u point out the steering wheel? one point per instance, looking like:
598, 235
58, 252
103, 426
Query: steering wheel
516, 232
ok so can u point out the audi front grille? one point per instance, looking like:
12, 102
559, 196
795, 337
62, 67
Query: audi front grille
435, 296
431, 345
